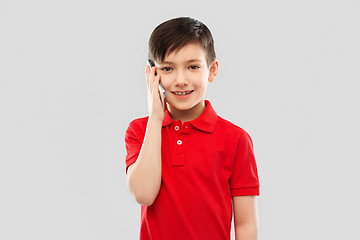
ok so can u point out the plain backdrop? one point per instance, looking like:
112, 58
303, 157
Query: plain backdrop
73, 77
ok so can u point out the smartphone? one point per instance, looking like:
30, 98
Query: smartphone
161, 88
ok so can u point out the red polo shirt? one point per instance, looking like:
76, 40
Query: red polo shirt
205, 162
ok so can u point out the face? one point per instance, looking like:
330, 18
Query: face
184, 75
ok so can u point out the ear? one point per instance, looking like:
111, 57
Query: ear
213, 70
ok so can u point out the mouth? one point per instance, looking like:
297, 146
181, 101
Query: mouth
182, 93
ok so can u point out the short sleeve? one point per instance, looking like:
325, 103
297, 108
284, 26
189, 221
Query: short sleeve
244, 179
133, 146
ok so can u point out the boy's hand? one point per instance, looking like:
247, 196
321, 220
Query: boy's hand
155, 107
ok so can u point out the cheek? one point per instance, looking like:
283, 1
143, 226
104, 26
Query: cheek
165, 81
196, 78
199, 81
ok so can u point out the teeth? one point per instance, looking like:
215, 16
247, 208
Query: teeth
183, 93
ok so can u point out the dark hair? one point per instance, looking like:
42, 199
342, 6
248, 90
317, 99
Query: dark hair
175, 33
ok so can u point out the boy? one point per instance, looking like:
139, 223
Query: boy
187, 166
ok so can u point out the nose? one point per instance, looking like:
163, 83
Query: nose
180, 79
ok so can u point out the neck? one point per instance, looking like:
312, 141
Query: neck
187, 115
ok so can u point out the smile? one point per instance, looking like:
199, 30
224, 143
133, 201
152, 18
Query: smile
182, 93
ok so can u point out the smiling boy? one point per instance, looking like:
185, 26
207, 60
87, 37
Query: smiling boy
189, 168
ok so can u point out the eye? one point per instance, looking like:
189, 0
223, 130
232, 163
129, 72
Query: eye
194, 67
166, 69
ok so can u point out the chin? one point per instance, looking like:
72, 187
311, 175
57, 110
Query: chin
184, 106
181, 107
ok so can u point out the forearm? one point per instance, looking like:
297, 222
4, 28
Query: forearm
247, 232
144, 180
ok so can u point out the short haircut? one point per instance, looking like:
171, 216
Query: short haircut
175, 33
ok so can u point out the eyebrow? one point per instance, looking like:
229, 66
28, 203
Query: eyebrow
188, 61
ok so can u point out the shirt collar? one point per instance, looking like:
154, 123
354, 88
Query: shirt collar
205, 122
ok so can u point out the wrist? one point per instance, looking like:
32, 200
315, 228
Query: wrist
155, 120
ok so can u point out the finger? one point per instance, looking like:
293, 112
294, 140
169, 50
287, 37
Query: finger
159, 94
156, 89
147, 73
152, 78
156, 82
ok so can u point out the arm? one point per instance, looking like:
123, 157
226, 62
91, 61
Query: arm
245, 218
144, 176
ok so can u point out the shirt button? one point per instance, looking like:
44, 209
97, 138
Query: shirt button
179, 142
176, 128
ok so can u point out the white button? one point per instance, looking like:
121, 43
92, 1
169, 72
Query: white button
179, 142
176, 128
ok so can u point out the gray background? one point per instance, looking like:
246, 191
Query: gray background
72, 78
